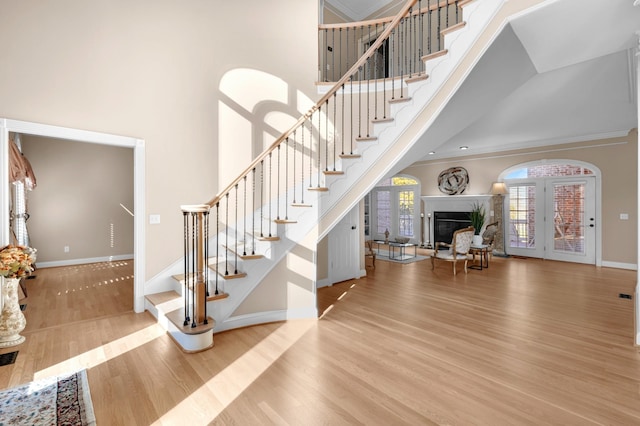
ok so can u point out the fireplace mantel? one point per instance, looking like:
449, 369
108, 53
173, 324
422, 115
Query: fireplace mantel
455, 203
452, 203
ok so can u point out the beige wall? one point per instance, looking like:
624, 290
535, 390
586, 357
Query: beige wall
152, 70
77, 200
616, 158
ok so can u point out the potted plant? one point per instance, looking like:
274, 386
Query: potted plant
477, 216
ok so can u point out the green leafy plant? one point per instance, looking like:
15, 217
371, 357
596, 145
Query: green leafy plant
477, 216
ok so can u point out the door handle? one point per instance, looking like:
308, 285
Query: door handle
591, 226
353, 227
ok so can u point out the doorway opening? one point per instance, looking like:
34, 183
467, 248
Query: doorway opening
37, 129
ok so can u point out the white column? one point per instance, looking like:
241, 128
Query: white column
637, 295
4, 184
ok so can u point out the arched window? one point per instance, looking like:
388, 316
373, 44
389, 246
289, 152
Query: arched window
548, 170
395, 208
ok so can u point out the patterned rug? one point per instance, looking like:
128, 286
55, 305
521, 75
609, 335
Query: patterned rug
62, 400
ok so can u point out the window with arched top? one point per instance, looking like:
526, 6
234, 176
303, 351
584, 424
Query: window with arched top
395, 208
548, 170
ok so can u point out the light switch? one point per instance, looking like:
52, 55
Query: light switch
154, 219
624, 216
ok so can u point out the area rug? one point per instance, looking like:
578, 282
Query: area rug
385, 258
62, 400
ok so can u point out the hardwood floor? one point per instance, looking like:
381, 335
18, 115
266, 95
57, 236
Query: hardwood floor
523, 342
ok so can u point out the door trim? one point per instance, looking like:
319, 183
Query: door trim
138, 146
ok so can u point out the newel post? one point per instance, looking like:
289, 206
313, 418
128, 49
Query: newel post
196, 271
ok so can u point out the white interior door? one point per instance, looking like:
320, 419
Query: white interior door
571, 223
344, 252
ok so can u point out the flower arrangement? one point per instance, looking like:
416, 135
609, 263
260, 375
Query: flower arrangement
16, 261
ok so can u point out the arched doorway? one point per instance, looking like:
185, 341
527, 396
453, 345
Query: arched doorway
395, 207
552, 210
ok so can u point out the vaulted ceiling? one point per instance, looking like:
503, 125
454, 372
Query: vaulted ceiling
563, 72
359, 10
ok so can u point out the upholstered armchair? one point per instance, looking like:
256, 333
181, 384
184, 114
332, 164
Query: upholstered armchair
458, 249
489, 236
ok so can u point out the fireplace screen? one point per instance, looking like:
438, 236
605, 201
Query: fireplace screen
446, 223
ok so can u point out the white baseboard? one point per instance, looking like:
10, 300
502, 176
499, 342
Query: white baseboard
323, 283
619, 265
266, 317
72, 262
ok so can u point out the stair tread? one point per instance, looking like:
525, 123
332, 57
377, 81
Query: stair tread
177, 318
453, 28
333, 172
398, 100
349, 155
420, 77
230, 275
301, 205
318, 188
179, 278
240, 253
383, 120
434, 55
219, 296
366, 138
162, 297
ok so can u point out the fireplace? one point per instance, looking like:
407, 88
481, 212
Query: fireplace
455, 208
445, 223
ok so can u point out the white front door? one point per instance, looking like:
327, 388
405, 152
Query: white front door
571, 223
525, 215
553, 218
344, 252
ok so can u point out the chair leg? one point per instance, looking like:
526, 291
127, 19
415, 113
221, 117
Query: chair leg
433, 266
465, 265
454, 267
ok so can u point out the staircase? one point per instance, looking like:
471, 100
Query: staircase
250, 252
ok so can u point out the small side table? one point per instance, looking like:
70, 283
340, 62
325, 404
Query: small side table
483, 252
402, 254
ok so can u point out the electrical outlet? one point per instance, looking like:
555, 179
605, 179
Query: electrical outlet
154, 219
66, 249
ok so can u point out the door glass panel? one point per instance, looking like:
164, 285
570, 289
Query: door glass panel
405, 213
568, 217
522, 216
383, 206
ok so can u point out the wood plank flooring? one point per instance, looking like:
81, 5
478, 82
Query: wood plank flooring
524, 342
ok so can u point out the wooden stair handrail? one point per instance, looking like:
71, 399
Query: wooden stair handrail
359, 63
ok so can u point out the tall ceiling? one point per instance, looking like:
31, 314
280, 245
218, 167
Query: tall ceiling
563, 72
359, 10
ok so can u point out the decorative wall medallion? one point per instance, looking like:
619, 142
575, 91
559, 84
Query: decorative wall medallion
453, 181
